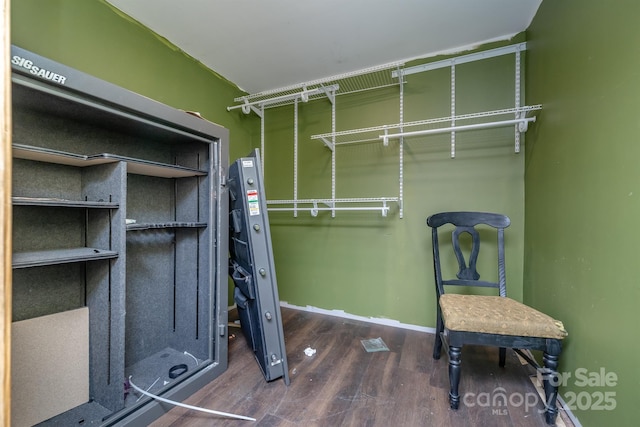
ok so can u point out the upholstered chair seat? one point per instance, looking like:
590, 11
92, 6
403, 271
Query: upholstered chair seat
497, 315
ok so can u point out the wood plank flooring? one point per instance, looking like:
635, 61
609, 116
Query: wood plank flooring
343, 385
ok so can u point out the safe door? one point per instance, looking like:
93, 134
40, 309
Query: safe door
252, 269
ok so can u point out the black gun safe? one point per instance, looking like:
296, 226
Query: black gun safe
120, 239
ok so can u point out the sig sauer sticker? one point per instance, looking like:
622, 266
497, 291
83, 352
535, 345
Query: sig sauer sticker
253, 202
247, 163
43, 73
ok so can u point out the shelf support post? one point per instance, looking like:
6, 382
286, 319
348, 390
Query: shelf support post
333, 157
262, 145
401, 146
518, 102
453, 109
295, 158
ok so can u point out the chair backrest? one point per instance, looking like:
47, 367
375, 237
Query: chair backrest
466, 222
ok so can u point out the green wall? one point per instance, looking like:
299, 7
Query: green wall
576, 249
578, 169
582, 200
363, 263
95, 38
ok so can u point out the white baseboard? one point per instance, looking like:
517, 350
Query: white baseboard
563, 407
344, 315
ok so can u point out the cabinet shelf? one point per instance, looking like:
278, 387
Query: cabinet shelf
103, 108
43, 201
164, 225
59, 256
134, 166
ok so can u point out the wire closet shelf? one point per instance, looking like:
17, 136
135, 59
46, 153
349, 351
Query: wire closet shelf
463, 122
367, 79
518, 117
342, 84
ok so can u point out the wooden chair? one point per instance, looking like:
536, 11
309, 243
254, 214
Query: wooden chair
494, 320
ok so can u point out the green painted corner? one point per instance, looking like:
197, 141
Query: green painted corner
582, 200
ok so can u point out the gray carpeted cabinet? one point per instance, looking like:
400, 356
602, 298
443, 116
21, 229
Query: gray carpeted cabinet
119, 209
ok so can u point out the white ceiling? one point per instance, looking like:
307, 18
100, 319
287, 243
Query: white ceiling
269, 44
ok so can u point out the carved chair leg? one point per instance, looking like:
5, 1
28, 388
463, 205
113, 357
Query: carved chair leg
437, 345
550, 380
502, 357
454, 376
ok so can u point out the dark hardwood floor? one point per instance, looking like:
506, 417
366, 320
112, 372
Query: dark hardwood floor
343, 385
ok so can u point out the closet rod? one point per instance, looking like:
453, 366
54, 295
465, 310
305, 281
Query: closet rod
523, 123
337, 208
384, 210
329, 202
330, 205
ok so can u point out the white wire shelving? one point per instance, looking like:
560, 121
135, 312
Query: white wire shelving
314, 206
328, 87
518, 116
464, 122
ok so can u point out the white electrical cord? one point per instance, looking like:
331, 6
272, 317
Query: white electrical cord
149, 388
195, 408
194, 358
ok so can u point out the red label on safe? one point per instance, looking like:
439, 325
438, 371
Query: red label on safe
254, 205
